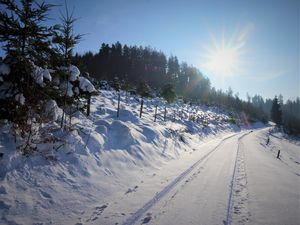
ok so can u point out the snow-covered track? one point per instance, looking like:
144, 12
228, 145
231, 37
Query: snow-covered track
237, 186
138, 214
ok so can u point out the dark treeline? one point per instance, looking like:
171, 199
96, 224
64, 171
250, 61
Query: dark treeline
132, 65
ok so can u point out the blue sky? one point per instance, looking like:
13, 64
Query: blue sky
265, 31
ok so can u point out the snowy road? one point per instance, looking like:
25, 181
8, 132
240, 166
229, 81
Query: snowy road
236, 182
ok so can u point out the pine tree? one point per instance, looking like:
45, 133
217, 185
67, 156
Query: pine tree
65, 41
168, 93
276, 113
143, 89
22, 31
27, 45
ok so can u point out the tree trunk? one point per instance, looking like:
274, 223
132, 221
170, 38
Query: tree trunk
118, 110
155, 113
174, 111
62, 119
141, 110
88, 106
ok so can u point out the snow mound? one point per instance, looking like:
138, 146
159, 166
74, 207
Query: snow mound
120, 136
39, 74
86, 85
51, 110
74, 72
70, 92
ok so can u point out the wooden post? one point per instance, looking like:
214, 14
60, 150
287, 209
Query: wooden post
118, 110
141, 110
88, 105
181, 114
165, 114
70, 117
62, 119
174, 115
268, 140
155, 113
278, 154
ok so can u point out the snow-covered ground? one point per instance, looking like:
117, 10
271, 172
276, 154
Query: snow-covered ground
132, 170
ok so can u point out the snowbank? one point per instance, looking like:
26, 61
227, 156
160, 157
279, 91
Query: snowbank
74, 72
100, 160
51, 110
86, 85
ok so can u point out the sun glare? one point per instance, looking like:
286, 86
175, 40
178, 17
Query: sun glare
223, 60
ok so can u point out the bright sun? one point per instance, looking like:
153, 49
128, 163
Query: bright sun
223, 58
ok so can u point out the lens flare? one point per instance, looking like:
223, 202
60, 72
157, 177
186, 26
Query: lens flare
224, 56
223, 61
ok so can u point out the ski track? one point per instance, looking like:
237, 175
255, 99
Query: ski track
138, 214
236, 207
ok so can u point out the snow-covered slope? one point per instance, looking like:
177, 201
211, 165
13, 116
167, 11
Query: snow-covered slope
102, 157
110, 170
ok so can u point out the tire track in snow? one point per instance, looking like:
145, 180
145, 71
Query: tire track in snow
138, 214
236, 207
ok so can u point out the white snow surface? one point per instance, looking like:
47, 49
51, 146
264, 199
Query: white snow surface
51, 110
86, 85
131, 170
39, 74
74, 72
70, 92
20, 98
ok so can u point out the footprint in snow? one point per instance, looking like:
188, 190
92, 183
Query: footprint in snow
95, 218
131, 190
2, 190
45, 194
100, 209
4, 206
147, 218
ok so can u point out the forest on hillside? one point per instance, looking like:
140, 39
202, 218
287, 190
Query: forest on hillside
40, 67
129, 66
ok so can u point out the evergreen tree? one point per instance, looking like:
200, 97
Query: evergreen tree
22, 32
65, 39
276, 113
68, 74
168, 93
173, 69
27, 44
143, 89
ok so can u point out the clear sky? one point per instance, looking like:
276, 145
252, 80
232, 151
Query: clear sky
251, 46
